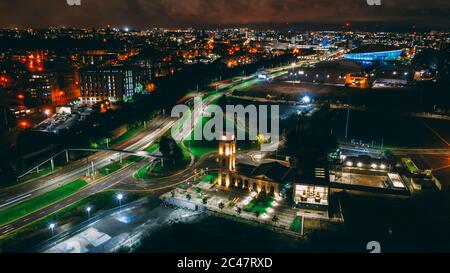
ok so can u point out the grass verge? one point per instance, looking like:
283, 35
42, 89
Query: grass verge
40, 201
259, 204
166, 170
24, 239
296, 224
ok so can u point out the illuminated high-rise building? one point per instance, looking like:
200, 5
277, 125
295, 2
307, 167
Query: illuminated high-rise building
41, 84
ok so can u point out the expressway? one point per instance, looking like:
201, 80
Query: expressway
14, 195
124, 176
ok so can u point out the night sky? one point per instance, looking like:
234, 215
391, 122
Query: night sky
144, 14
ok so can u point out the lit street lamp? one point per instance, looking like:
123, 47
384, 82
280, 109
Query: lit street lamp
88, 210
119, 197
52, 228
306, 100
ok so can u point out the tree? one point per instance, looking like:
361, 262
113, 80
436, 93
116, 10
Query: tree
257, 213
221, 206
275, 219
205, 200
170, 149
189, 197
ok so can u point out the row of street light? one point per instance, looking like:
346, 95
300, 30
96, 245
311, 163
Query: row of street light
119, 197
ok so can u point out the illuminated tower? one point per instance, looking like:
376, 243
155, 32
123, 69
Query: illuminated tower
227, 160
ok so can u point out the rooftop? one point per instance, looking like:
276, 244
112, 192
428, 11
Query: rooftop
274, 171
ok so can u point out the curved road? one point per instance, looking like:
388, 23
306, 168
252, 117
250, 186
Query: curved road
124, 175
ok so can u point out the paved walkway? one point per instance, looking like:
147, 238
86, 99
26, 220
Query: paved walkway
236, 198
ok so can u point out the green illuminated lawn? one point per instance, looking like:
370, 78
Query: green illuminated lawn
143, 173
40, 201
259, 204
410, 165
132, 159
296, 224
210, 178
153, 148
113, 167
168, 169
24, 239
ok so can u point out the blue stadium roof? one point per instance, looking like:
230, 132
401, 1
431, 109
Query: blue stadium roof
374, 53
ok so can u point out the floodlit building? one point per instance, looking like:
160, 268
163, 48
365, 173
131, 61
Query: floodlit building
266, 178
328, 72
113, 83
272, 178
358, 80
312, 191
41, 84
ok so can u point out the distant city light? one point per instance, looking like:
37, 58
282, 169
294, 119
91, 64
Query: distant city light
359, 164
349, 163
24, 123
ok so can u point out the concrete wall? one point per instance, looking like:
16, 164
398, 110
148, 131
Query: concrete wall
185, 204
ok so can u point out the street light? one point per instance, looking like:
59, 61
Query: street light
52, 227
119, 197
306, 99
88, 210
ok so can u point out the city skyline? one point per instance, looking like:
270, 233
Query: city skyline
141, 14
167, 127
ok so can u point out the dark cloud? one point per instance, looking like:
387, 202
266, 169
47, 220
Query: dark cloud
171, 13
